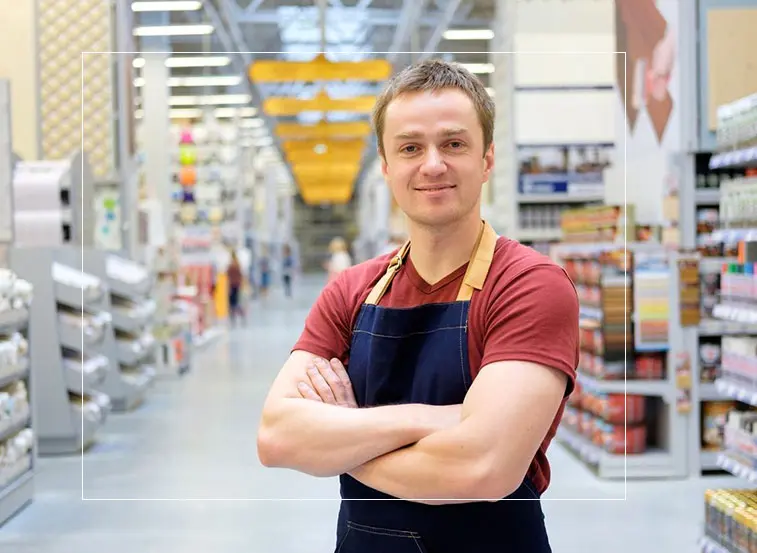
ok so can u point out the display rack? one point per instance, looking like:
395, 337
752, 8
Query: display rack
132, 311
641, 434
17, 425
73, 358
49, 195
731, 515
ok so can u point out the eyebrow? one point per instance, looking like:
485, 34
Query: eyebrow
455, 131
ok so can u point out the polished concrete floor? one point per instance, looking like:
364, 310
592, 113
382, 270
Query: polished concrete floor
180, 474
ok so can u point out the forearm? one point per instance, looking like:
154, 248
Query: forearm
326, 440
442, 468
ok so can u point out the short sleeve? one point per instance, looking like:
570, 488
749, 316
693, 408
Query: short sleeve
327, 330
534, 318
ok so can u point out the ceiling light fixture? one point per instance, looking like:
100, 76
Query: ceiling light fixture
231, 112
207, 80
251, 123
214, 100
173, 30
175, 114
479, 68
189, 61
168, 6
468, 34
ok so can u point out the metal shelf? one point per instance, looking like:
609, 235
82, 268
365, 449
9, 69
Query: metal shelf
88, 376
12, 320
78, 298
713, 265
135, 319
708, 545
736, 390
74, 337
560, 198
652, 464
654, 388
18, 372
708, 391
16, 493
736, 158
709, 460
708, 196
131, 353
538, 235
717, 327
18, 423
736, 468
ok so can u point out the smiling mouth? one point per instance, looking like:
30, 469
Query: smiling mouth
434, 187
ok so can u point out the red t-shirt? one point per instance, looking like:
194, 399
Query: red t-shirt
526, 311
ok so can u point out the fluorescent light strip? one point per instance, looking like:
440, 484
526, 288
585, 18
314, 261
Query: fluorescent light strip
251, 123
173, 30
171, 6
468, 34
189, 61
231, 112
215, 100
479, 68
208, 80
175, 114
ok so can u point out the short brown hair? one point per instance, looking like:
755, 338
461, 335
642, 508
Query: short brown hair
433, 75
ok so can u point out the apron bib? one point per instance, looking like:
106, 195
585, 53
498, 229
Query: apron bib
420, 355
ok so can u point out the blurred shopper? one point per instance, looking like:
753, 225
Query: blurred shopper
235, 282
462, 350
340, 258
287, 269
264, 266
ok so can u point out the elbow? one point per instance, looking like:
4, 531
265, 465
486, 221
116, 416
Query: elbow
271, 442
489, 483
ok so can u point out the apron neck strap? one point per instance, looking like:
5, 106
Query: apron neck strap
478, 267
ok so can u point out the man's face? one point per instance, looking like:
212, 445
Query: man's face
434, 158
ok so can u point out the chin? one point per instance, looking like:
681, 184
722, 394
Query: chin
435, 217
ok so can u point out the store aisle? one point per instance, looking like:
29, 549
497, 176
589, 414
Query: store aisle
194, 441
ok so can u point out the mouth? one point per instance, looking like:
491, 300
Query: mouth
434, 187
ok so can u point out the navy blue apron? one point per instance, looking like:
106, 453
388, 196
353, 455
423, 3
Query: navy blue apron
420, 355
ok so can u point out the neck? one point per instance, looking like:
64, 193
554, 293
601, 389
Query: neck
435, 252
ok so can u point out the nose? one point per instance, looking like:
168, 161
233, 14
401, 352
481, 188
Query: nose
433, 163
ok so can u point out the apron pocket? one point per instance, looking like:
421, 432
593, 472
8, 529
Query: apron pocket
361, 538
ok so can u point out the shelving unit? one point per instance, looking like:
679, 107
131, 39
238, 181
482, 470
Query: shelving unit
17, 425
732, 316
73, 360
641, 434
131, 311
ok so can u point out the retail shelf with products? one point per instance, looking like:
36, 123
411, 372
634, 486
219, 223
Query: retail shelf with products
731, 327
17, 426
623, 414
73, 358
127, 297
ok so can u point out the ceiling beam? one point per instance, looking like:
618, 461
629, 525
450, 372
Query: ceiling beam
376, 17
448, 15
411, 11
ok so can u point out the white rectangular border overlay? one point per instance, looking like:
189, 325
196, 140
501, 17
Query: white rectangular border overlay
625, 250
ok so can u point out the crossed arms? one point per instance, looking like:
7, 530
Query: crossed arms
476, 451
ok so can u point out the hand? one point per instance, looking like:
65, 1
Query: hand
328, 383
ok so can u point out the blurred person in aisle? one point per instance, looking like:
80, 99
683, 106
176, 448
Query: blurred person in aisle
235, 283
264, 266
287, 269
340, 259
437, 375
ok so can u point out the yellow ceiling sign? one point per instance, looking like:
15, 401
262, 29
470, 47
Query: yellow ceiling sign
325, 172
283, 106
326, 194
323, 130
309, 157
319, 68
323, 146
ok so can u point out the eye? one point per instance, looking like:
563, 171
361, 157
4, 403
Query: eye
456, 144
409, 149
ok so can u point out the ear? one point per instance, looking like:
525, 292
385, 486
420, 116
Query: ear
384, 164
489, 161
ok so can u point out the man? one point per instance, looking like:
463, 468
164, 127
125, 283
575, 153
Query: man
459, 351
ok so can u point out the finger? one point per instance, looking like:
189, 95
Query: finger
320, 385
341, 373
333, 380
307, 392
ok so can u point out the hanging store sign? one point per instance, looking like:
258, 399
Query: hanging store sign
282, 106
318, 69
323, 130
